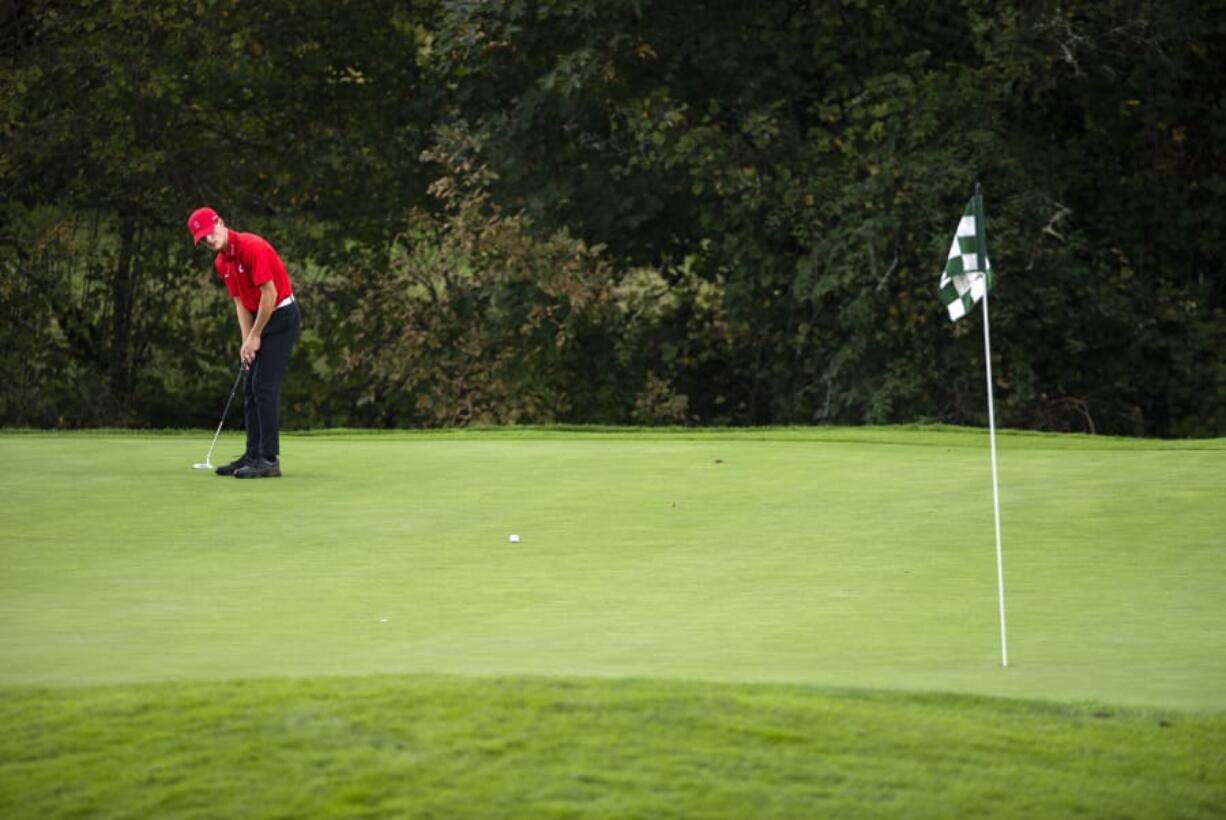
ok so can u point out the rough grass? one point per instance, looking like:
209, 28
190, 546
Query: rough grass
456, 747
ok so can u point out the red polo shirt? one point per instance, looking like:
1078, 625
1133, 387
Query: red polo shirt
248, 262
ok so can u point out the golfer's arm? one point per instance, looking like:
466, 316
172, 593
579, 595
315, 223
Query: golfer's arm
268, 303
244, 318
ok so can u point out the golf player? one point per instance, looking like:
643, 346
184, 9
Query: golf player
268, 320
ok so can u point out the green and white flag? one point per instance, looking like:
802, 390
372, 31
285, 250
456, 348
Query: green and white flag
968, 273
967, 279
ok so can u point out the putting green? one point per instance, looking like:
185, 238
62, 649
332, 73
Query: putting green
857, 558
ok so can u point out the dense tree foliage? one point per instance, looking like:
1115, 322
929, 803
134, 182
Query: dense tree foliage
625, 211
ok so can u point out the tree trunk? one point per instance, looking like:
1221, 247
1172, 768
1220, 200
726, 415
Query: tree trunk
123, 289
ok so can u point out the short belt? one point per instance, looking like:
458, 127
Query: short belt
288, 300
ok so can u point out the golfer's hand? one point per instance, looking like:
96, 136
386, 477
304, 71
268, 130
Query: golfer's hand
251, 346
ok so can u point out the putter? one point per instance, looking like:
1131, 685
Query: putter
207, 464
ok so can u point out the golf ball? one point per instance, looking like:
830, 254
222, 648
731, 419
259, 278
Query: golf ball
514, 539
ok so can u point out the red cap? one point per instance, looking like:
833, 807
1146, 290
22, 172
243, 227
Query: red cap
201, 223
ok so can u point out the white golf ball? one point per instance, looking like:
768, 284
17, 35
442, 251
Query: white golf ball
514, 539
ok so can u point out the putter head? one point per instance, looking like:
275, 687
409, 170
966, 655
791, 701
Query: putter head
202, 466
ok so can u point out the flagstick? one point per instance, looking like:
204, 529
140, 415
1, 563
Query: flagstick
1000, 565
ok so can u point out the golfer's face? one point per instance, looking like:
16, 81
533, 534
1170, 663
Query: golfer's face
216, 238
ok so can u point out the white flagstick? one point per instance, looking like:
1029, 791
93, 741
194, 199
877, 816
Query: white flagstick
1000, 565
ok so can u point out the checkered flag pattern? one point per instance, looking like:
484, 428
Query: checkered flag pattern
963, 283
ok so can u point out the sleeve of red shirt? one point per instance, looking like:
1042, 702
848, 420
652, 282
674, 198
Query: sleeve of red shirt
260, 263
231, 282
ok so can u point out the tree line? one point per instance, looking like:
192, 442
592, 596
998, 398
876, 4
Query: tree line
619, 212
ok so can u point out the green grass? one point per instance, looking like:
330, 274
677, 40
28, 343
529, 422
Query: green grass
168, 618
439, 747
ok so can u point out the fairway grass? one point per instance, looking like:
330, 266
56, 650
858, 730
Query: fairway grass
694, 623
861, 559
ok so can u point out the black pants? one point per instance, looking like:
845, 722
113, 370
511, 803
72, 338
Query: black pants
263, 391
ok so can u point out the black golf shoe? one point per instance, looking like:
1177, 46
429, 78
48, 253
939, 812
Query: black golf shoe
242, 461
261, 468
